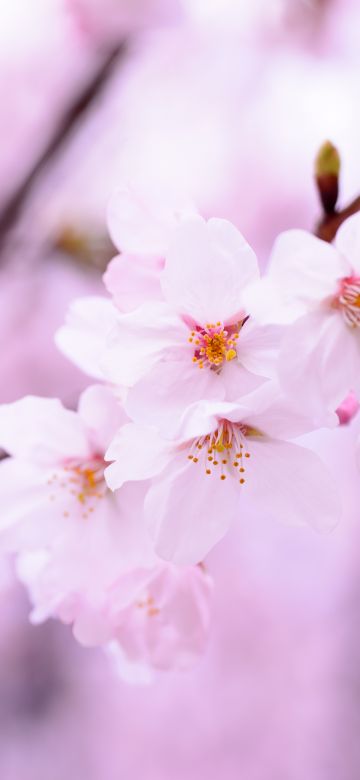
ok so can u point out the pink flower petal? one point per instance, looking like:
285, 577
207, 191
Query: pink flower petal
208, 264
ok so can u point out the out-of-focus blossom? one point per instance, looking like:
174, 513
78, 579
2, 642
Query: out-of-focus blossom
141, 225
85, 553
225, 453
133, 279
141, 221
43, 65
53, 491
6, 574
157, 617
112, 19
31, 363
316, 288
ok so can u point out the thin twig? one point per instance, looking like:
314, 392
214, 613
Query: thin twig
73, 114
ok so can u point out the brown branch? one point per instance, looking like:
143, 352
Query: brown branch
72, 115
329, 225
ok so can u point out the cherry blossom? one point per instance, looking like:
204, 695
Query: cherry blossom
155, 618
225, 455
54, 495
84, 552
140, 225
197, 342
315, 288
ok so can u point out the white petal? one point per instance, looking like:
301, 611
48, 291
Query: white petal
258, 348
138, 453
291, 484
163, 395
133, 280
207, 267
135, 225
319, 362
138, 341
303, 271
102, 414
305, 266
189, 511
29, 517
238, 382
140, 222
83, 337
41, 430
347, 241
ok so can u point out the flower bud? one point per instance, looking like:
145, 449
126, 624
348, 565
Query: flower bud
327, 169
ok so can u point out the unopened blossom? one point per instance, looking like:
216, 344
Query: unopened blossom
155, 617
54, 496
197, 342
348, 409
225, 454
314, 287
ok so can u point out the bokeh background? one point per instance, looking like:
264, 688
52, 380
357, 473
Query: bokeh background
225, 102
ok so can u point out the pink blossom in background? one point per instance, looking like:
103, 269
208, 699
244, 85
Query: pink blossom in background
111, 19
31, 363
223, 158
40, 75
154, 618
93, 564
224, 154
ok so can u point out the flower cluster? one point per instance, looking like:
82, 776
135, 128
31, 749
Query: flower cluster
205, 373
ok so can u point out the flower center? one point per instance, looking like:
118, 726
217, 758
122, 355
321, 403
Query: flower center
149, 606
83, 482
214, 344
348, 300
224, 451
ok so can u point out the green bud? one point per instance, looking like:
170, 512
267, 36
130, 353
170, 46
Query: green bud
327, 160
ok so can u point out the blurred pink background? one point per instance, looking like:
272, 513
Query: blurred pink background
225, 101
